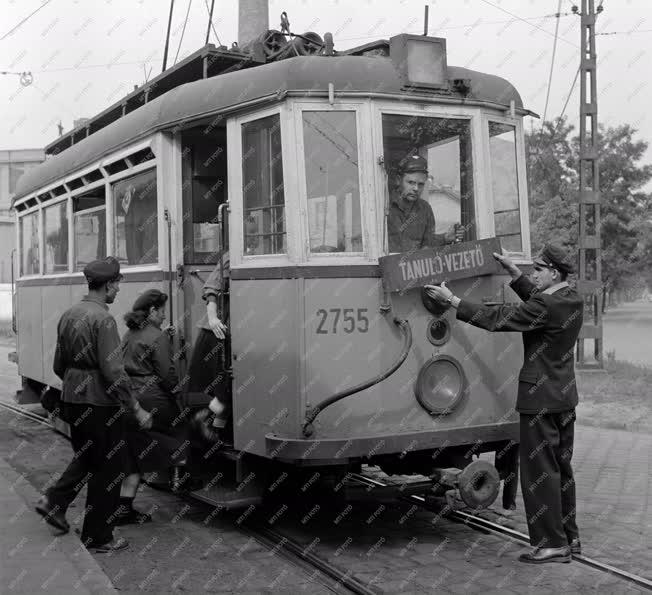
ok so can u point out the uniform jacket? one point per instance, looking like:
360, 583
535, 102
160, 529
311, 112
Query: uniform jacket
88, 358
550, 322
410, 225
148, 361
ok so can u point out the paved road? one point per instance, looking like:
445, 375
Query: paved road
628, 331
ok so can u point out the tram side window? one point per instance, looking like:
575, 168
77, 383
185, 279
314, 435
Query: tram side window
204, 190
55, 222
89, 224
504, 176
332, 181
136, 219
262, 187
29, 245
447, 188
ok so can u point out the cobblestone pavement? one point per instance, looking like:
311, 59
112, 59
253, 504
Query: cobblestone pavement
185, 549
613, 476
395, 548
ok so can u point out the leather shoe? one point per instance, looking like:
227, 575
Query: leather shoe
52, 514
575, 546
115, 545
132, 517
547, 554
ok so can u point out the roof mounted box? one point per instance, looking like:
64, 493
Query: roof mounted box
420, 60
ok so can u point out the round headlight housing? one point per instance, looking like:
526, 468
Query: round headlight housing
440, 385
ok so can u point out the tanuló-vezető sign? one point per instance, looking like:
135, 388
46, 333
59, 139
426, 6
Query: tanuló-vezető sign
434, 265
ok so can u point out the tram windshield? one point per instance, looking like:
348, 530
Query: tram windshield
504, 182
427, 209
332, 181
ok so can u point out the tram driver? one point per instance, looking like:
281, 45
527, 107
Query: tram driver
410, 220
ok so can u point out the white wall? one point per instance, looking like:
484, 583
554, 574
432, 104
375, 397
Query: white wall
5, 302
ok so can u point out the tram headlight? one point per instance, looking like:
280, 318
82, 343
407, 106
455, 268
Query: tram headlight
440, 385
419, 60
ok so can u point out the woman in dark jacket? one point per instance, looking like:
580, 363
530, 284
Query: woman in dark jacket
147, 354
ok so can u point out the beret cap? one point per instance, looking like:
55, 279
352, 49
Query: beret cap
104, 270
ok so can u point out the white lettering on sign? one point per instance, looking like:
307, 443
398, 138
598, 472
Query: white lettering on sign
436, 265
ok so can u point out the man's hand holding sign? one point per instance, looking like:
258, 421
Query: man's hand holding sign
444, 296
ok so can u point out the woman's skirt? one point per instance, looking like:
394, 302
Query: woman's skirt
163, 446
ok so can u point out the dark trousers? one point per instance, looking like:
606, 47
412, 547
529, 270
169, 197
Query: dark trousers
98, 439
547, 481
207, 371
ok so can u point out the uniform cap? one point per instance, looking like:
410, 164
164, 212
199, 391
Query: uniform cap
149, 298
103, 271
555, 257
414, 163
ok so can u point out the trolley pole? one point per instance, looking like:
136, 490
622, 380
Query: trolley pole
590, 263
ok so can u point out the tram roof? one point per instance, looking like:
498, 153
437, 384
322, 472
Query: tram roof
307, 76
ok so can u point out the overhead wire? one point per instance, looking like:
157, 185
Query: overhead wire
29, 16
552, 65
467, 26
212, 25
525, 21
183, 31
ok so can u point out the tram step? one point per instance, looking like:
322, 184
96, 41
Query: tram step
230, 495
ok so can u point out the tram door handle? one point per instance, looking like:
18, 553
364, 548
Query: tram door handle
195, 273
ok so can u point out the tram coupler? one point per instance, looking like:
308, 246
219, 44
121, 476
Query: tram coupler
476, 485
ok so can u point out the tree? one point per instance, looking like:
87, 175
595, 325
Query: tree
626, 211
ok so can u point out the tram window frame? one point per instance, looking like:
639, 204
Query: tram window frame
235, 176
198, 184
113, 215
66, 224
34, 213
96, 187
361, 115
472, 117
521, 182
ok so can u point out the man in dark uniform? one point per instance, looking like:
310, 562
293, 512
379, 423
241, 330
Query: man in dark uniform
410, 220
550, 319
95, 399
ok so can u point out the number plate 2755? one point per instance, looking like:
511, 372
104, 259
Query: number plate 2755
342, 320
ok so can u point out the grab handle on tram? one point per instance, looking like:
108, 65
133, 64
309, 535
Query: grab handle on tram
312, 413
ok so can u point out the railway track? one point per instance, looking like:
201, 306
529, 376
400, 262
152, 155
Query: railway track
343, 581
328, 575
480, 524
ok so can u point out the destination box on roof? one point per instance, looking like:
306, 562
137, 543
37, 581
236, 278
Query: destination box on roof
431, 266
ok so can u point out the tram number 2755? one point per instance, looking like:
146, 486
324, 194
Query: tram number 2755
336, 320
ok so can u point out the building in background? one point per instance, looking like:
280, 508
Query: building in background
12, 165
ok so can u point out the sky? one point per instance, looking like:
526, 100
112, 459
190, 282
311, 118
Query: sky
86, 54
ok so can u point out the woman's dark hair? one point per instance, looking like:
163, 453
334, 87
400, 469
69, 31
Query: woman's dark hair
137, 318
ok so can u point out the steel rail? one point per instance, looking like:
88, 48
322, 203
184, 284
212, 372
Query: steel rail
292, 550
305, 559
17, 409
299, 553
481, 524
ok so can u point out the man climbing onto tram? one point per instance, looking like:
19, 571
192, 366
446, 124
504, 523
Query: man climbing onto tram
410, 220
209, 373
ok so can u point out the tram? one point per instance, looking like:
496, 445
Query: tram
289, 159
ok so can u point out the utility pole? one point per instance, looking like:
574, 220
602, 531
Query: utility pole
590, 262
167, 37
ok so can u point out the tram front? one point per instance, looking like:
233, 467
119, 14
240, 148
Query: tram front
330, 253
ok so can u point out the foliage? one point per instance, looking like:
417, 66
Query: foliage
626, 211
